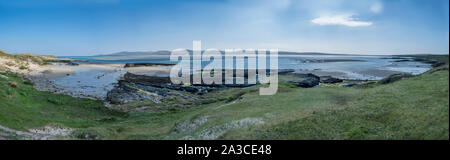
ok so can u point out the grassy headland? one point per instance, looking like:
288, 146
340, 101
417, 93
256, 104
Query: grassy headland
412, 108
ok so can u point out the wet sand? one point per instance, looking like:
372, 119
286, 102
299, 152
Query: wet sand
86, 80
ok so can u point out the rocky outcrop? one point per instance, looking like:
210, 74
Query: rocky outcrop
330, 80
164, 82
126, 92
146, 64
132, 88
306, 80
439, 69
143, 79
394, 77
438, 64
432, 62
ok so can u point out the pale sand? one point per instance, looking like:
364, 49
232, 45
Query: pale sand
12, 66
105, 67
162, 71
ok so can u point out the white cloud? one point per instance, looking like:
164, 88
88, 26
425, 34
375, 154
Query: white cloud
344, 20
377, 7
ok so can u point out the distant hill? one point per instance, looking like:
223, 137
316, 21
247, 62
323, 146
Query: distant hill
305, 53
141, 53
166, 52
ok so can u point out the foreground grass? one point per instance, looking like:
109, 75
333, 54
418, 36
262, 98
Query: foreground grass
413, 108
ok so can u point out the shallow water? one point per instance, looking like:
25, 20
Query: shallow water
366, 68
92, 82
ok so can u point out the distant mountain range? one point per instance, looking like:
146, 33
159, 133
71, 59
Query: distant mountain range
141, 53
166, 52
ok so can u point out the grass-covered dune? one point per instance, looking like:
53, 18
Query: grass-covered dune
412, 108
22, 61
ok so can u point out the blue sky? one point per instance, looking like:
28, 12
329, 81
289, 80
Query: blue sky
90, 27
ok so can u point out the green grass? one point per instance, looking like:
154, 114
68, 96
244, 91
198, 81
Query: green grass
412, 108
24, 108
415, 108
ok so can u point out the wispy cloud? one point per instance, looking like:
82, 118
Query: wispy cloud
343, 20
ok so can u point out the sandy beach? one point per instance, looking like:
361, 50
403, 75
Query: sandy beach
85, 80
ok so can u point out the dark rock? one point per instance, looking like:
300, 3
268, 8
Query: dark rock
164, 82
127, 92
13, 84
146, 64
438, 64
285, 71
402, 60
371, 82
329, 79
307, 80
428, 61
439, 69
394, 77
143, 79
141, 87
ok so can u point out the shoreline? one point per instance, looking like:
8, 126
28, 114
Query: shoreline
95, 80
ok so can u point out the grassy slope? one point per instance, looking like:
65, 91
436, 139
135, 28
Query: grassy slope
24, 108
414, 108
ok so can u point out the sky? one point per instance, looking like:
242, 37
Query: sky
92, 27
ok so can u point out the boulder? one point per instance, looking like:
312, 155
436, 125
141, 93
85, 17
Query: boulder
13, 84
